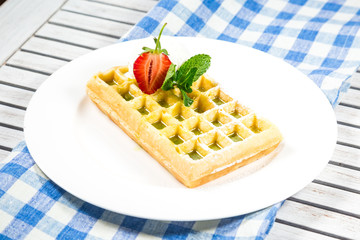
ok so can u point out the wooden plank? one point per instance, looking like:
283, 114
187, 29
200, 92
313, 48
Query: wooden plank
349, 135
104, 11
139, 5
330, 198
93, 35
15, 96
347, 115
319, 220
283, 231
36, 62
352, 97
12, 116
21, 77
75, 37
9, 137
53, 48
17, 24
355, 80
340, 176
346, 155
91, 24
3, 154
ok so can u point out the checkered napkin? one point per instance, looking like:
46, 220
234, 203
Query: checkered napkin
320, 38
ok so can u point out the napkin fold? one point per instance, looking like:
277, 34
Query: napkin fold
320, 38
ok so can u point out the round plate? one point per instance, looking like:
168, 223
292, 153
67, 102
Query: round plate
85, 153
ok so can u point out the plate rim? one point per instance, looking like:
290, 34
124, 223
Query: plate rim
32, 102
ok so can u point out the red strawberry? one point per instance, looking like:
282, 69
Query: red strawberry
151, 66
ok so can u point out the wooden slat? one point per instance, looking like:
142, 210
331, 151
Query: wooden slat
348, 115
53, 48
15, 96
104, 11
36, 62
324, 206
3, 154
340, 176
355, 80
10, 137
91, 24
75, 37
139, 5
352, 97
17, 25
346, 155
348, 135
12, 116
21, 77
282, 231
319, 220
330, 198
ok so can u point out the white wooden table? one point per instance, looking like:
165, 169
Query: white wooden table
37, 37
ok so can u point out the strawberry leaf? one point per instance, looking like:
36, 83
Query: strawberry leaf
164, 51
147, 49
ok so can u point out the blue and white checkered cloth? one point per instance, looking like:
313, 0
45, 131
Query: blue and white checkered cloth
318, 37
33, 207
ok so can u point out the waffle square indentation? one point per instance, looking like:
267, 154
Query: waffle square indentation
203, 84
202, 104
194, 149
197, 125
236, 110
255, 124
160, 119
236, 132
180, 112
217, 117
218, 96
215, 140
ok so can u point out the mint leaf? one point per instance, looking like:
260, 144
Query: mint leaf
187, 100
186, 75
169, 79
188, 80
199, 61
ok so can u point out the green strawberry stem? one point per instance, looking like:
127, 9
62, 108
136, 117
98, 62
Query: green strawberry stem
158, 49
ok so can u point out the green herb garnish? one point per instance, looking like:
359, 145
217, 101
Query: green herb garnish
186, 75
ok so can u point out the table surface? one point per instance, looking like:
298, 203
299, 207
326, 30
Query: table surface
61, 30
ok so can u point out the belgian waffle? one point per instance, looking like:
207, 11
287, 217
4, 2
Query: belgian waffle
197, 144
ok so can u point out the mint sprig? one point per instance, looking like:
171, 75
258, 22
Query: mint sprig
186, 75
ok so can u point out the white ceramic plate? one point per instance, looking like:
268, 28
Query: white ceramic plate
85, 153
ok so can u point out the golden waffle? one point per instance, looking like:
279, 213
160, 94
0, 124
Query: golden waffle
197, 144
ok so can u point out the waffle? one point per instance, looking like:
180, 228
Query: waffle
197, 144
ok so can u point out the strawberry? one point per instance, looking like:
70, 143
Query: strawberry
151, 66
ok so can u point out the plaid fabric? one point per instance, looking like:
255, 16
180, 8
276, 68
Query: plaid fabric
33, 207
320, 38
